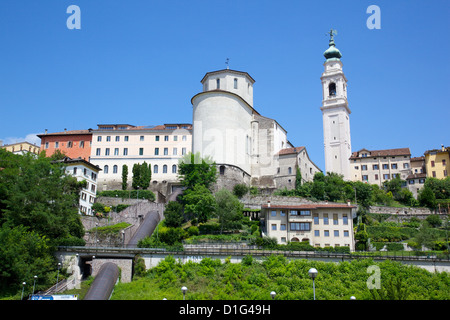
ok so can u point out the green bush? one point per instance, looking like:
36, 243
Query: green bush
193, 231
128, 194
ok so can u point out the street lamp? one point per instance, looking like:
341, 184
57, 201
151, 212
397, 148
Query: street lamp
34, 283
57, 276
313, 274
184, 289
273, 294
352, 298
23, 287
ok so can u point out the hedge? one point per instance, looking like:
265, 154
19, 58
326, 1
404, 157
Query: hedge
131, 194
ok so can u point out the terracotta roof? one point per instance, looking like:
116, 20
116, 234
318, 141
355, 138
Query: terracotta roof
290, 150
67, 132
417, 176
383, 153
422, 158
310, 206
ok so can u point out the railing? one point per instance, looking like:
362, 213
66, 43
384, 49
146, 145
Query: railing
243, 249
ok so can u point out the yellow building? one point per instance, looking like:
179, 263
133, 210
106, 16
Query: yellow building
437, 162
21, 148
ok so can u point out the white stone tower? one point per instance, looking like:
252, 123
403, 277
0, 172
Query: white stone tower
335, 112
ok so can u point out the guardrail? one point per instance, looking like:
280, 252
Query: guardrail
237, 250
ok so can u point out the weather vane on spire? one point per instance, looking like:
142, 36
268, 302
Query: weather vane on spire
332, 33
226, 62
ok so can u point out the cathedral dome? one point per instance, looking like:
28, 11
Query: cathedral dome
332, 52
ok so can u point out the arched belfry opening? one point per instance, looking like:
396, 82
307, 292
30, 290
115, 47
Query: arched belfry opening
332, 89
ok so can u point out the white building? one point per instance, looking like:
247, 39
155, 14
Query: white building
321, 225
84, 170
226, 127
335, 113
162, 146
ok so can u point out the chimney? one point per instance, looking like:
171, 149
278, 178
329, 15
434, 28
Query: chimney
46, 131
268, 204
65, 130
442, 148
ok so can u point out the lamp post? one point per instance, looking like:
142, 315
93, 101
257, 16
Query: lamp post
273, 294
184, 290
57, 276
313, 274
34, 283
23, 287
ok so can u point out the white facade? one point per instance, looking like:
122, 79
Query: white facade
322, 225
84, 170
336, 121
161, 146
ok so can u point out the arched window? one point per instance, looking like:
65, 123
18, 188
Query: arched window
222, 170
115, 168
332, 89
174, 168
165, 168
289, 170
105, 169
155, 168
235, 83
218, 83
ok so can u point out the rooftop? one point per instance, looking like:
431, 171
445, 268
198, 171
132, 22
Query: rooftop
381, 153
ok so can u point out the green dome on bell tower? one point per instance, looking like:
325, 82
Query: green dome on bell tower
332, 52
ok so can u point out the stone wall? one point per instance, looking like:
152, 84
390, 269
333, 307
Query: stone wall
125, 265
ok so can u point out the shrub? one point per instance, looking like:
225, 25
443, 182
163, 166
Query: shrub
193, 231
239, 190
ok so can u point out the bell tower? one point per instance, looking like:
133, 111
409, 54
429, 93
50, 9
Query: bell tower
335, 113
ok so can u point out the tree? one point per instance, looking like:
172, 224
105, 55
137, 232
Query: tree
427, 198
363, 193
298, 179
136, 176
124, 177
173, 214
199, 202
141, 176
240, 189
194, 170
228, 209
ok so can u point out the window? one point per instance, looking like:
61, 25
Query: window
434, 174
141, 138
376, 176
375, 167
385, 166
332, 89
156, 151
445, 173
235, 83
335, 219
316, 218
81, 144
222, 170
69, 144
300, 226
443, 162
155, 168
325, 218
156, 138
107, 152
218, 83
283, 213
326, 233
386, 176
183, 151
336, 233
166, 151
115, 168
166, 138
293, 213
117, 138
289, 170
175, 138
165, 168
345, 219
273, 213
305, 213
125, 151
411, 181
99, 139
274, 227
175, 151
282, 227
365, 178
346, 234
56, 145
108, 138
97, 152
364, 167
394, 166
406, 166
316, 233
125, 138
75, 170
105, 169
432, 163
116, 151
141, 151
174, 168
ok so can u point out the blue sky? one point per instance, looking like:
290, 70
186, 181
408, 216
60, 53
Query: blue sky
140, 62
